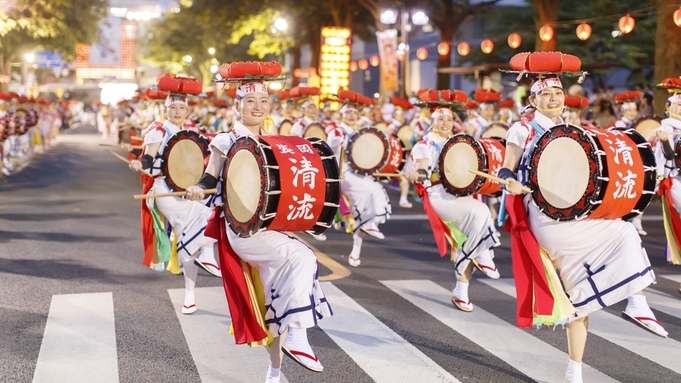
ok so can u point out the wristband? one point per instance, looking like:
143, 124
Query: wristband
207, 181
505, 173
147, 161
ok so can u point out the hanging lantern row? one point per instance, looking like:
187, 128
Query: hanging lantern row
514, 40
584, 31
677, 17
546, 33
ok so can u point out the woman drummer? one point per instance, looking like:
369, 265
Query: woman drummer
601, 262
187, 218
667, 167
473, 228
369, 202
287, 268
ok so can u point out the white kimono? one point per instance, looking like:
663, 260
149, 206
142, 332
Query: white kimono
667, 168
600, 261
467, 214
188, 218
370, 202
287, 267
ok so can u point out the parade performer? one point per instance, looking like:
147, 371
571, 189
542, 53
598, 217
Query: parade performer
188, 218
668, 168
369, 202
399, 121
463, 224
601, 261
308, 105
486, 100
286, 268
421, 124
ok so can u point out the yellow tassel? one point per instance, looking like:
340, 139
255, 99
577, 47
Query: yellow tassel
257, 297
174, 264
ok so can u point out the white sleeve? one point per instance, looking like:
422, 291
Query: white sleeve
221, 142
154, 136
518, 134
335, 139
297, 129
420, 151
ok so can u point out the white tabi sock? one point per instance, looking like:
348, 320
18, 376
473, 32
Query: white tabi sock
573, 372
273, 374
461, 290
357, 239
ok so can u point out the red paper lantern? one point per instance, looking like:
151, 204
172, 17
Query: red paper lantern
487, 46
443, 48
546, 33
677, 17
583, 31
514, 40
353, 66
422, 53
363, 64
626, 24
374, 60
464, 49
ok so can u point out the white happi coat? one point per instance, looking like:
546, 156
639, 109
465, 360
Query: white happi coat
188, 218
467, 214
299, 126
287, 267
369, 200
668, 168
600, 261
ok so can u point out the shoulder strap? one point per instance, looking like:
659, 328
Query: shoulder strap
536, 127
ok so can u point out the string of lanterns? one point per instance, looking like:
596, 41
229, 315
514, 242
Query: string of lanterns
625, 25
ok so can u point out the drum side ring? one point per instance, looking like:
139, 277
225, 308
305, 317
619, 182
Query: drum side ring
478, 181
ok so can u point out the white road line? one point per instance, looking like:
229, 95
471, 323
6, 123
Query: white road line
423, 217
79, 343
378, 350
675, 278
531, 356
663, 302
665, 352
217, 357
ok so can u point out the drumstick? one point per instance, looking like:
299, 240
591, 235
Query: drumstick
497, 179
127, 161
121, 146
173, 194
394, 175
125, 127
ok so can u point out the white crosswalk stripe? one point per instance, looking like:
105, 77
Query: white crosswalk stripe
665, 352
675, 278
377, 349
79, 343
495, 335
215, 354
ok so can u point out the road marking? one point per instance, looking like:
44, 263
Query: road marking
338, 271
675, 278
378, 350
665, 352
79, 343
217, 357
423, 217
663, 302
505, 341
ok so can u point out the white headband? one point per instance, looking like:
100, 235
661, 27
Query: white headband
306, 103
441, 112
542, 84
628, 105
347, 108
251, 87
674, 98
175, 98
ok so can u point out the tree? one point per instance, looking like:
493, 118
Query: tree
547, 13
47, 24
667, 49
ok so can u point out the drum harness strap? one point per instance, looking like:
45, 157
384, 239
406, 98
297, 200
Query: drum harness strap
523, 170
160, 153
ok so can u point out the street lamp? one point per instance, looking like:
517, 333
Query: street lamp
30, 57
211, 51
281, 24
188, 59
389, 16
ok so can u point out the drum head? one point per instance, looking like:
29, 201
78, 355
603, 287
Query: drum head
243, 186
314, 130
459, 158
405, 133
646, 126
380, 125
563, 172
368, 151
495, 130
285, 128
185, 163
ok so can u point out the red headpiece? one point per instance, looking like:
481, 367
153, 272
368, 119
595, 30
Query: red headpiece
576, 102
486, 96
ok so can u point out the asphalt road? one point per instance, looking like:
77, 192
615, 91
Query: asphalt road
69, 227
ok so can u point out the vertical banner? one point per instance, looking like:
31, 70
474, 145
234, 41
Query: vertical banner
387, 47
107, 51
